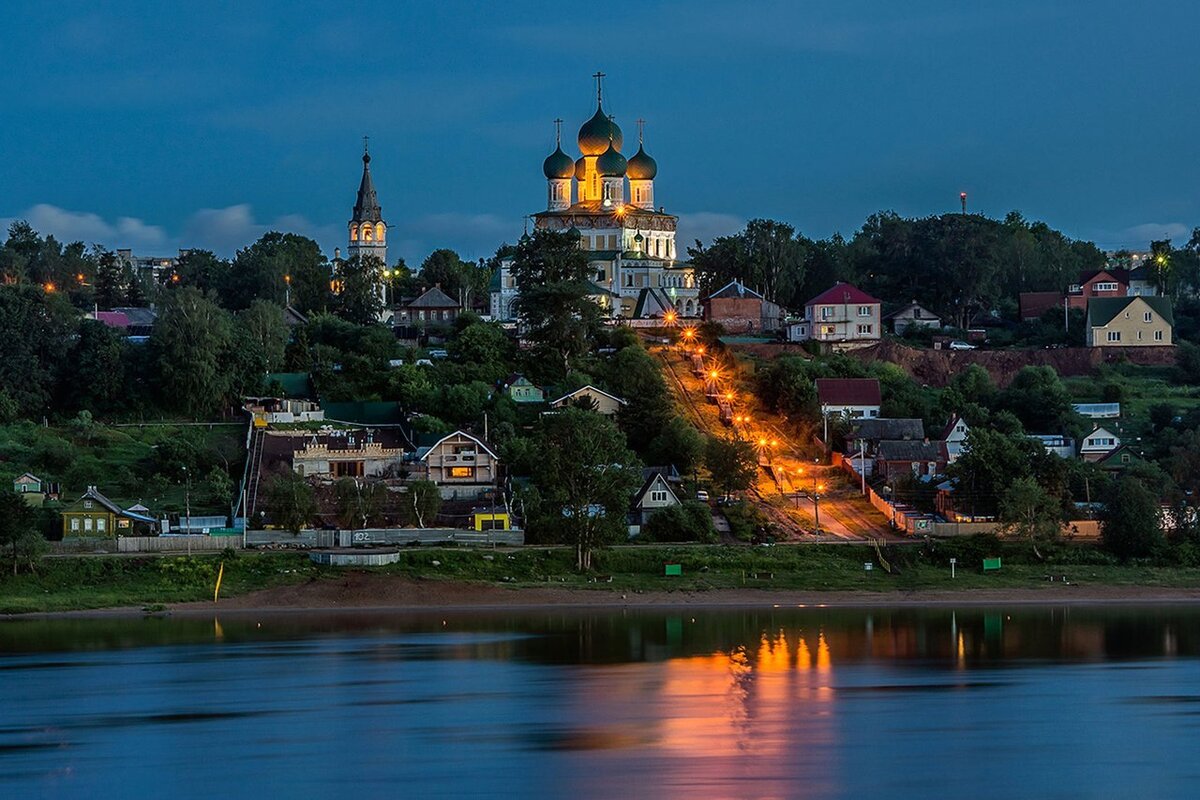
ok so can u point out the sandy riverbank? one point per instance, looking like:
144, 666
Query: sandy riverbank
373, 592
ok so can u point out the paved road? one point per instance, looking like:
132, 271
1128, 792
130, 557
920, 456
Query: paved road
845, 513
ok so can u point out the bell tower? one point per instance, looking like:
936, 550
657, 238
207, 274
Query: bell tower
368, 231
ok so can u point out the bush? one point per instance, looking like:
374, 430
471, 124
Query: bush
745, 520
689, 522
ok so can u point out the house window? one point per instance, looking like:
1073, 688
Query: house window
87, 503
1074, 287
1148, 316
658, 497
826, 312
865, 329
1124, 458
74, 523
100, 525
461, 472
1114, 336
87, 523
828, 330
864, 311
1158, 336
1107, 286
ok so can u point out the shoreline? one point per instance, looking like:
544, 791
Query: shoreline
370, 594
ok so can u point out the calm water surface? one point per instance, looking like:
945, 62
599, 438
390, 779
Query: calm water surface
807, 703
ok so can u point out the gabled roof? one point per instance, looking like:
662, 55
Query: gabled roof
952, 424
735, 290
1117, 274
94, 494
31, 478
649, 483
877, 429
113, 319
848, 392
138, 315
1103, 310
1112, 459
516, 378
842, 292
913, 305
1101, 430
474, 439
652, 303
570, 395
433, 298
910, 451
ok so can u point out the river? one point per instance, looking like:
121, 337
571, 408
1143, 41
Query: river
1078, 702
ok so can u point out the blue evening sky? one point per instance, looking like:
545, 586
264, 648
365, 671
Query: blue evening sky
163, 124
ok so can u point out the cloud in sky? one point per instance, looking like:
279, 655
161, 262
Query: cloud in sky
226, 230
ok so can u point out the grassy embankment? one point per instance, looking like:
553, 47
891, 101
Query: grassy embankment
128, 463
98, 582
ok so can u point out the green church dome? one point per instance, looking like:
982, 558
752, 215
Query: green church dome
596, 134
641, 166
611, 164
558, 165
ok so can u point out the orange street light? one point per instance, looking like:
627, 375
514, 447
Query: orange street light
670, 317
79, 277
49, 287
689, 333
774, 443
287, 279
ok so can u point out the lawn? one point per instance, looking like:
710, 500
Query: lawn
97, 582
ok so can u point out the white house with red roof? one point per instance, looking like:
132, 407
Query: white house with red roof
842, 313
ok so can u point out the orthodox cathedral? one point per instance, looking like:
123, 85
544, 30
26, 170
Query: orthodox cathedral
607, 200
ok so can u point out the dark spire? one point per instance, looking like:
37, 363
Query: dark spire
366, 206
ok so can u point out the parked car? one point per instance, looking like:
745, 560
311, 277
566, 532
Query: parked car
702, 496
959, 344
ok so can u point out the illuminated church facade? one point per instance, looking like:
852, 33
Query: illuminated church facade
607, 200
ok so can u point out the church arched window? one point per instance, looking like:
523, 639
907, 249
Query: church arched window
367, 230
354, 233
379, 231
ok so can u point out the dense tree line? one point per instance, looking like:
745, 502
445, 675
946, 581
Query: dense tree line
954, 264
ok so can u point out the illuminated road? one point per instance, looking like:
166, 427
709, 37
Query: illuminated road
844, 512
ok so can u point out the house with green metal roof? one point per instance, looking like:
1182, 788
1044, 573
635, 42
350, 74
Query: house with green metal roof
1136, 321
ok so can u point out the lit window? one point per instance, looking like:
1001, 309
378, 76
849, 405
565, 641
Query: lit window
100, 525
461, 472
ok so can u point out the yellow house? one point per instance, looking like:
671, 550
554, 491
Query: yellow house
1137, 321
93, 514
590, 397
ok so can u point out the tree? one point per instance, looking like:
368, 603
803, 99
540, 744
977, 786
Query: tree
732, 463
677, 444
553, 306
424, 501
459, 279
18, 530
484, 345
765, 255
690, 521
36, 328
584, 476
199, 269
1129, 524
1029, 512
111, 280
218, 486
191, 342
260, 271
291, 500
263, 334
97, 381
1040, 400
635, 376
358, 502
356, 295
